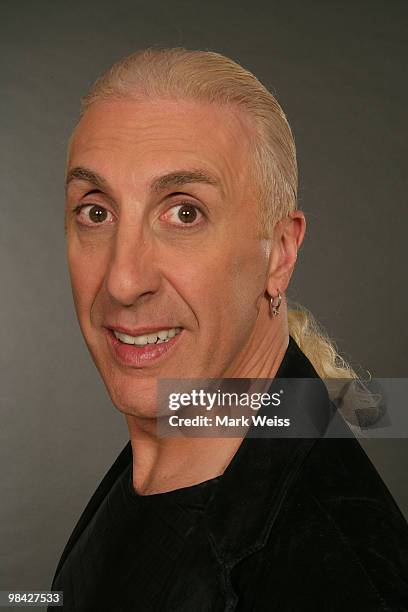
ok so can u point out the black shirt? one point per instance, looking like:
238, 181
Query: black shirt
126, 553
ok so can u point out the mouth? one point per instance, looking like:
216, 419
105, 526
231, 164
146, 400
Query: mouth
158, 337
142, 347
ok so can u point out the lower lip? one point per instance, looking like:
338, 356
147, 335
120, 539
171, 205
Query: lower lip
140, 356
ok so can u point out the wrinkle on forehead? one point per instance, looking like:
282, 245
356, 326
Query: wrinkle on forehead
218, 136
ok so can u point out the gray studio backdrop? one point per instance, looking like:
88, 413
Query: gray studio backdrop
338, 68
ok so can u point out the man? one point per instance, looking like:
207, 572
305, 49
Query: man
183, 232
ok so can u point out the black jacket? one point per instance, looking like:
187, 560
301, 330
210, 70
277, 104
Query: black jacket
295, 524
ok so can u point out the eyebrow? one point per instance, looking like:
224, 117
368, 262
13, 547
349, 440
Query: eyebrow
177, 178
84, 174
182, 177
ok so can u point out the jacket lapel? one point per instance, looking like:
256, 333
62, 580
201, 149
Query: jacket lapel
246, 501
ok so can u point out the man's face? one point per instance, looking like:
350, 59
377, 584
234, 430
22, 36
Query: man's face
166, 267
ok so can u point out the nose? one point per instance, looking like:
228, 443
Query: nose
132, 272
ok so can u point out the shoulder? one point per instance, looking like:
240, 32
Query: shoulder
340, 478
340, 538
119, 465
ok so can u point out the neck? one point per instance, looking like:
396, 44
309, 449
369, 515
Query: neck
164, 464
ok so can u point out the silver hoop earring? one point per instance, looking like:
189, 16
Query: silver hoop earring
275, 303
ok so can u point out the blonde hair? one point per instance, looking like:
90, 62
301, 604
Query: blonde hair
210, 77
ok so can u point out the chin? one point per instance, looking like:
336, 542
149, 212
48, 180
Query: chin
136, 397
135, 404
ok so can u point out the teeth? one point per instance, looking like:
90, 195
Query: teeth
157, 338
151, 338
125, 338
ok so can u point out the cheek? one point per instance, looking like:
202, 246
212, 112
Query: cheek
221, 275
224, 290
247, 286
86, 271
248, 272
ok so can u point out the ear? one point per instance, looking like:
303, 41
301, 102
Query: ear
288, 235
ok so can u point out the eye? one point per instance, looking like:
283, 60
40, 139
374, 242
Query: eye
92, 214
183, 214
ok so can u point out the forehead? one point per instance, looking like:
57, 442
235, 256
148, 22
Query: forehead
133, 140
